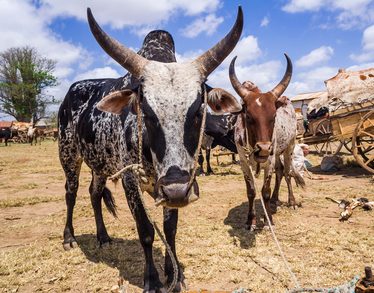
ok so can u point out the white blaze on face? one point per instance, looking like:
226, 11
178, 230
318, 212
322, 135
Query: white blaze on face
258, 102
170, 90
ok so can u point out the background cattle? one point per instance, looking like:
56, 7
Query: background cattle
170, 98
219, 131
6, 131
265, 130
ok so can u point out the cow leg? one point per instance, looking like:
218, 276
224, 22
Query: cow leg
201, 162
72, 171
251, 194
152, 283
97, 188
170, 230
207, 157
266, 191
279, 171
287, 174
233, 159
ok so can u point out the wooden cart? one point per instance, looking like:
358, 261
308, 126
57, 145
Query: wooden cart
350, 126
355, 124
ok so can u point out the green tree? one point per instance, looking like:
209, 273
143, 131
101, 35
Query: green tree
24, 74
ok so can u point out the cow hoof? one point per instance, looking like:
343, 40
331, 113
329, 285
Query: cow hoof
179, 287
70, 245
267, 227
273, 207
252, 228
294, 205
104, 242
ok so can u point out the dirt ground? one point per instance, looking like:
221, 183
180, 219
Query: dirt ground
215, 249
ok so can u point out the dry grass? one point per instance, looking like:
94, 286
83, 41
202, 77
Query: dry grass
215, 249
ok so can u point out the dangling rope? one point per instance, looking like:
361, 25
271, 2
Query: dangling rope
202, 128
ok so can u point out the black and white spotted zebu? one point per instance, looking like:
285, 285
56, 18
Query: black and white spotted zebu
170, 96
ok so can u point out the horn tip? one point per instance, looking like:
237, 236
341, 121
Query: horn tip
240, 10
289, 62
232, 63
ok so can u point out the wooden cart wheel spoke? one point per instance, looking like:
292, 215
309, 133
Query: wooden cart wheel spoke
363, 142
363, 132
369, 161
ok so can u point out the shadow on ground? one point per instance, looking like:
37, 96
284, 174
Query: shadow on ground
346, 171
237, 218
125, 255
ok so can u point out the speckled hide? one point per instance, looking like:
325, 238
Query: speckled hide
107, 142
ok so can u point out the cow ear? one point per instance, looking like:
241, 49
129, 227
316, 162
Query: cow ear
115, 102
221, 101
281, 101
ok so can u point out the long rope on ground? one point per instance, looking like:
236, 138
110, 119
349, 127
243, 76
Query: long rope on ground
345, 288
293, 276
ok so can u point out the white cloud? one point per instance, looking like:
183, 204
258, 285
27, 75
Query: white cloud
30, 28
368, 38
208, 24
247, 50
100, 72
350, 13
120, 13
303, 5
367, 53
265, 22
316, 56
188, 56
360, 66
24, 25
310, 81
265, 75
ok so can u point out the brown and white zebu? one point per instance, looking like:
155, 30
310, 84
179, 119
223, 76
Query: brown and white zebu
171, 96
266, 130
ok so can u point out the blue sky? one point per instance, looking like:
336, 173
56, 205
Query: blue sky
320, 36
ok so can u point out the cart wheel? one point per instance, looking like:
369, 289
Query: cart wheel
363, 142
330, 146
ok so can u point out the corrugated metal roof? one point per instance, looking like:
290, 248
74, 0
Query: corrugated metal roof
308, 96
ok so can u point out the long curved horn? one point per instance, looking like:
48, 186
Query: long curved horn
281, 87
212, 58
238, 87
127, 58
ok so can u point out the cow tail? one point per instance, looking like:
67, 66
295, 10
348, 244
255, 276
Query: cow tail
109, 201
298, 178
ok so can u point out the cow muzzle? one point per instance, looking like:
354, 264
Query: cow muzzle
174, 190
262, 151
